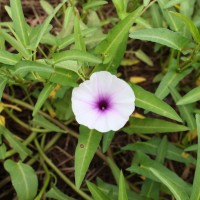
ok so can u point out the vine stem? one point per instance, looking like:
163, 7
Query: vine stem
61, 175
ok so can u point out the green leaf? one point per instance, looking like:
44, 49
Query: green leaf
195, 195
151, 169
150, 102
66, 41
107, 139
122, 188
43, 96
170, 80
112, 44
186, 111
9, 58
150, 125
190, 97
44, 123
43, 28
172, 3
151, 147
55, 193
94, 4
190, 25
162, 36
88, 143
3, 82
46, 6
23, 178
75, 55
121, 7
19, 22
96, 192
28, 66
15, 143
3, 150
16, 44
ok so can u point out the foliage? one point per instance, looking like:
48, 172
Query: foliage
40, 66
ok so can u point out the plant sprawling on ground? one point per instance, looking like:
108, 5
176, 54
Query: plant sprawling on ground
99, 99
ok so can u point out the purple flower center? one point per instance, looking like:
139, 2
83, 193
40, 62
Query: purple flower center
103, 104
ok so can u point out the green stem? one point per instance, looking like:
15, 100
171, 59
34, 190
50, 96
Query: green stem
59, 173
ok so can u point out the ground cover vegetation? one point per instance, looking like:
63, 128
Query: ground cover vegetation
99, 99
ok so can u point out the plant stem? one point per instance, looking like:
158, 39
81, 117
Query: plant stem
59, 173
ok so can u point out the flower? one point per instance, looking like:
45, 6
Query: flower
104, 102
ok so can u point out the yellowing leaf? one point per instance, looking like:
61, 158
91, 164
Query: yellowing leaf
2, 120
137, 79
189, 136
138, 115
52, 95
185, 155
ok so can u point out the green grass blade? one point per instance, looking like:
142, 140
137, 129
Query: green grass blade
150, 102
162, 36
19, 22
88, 143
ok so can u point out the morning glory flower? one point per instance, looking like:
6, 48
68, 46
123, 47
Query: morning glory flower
104, 102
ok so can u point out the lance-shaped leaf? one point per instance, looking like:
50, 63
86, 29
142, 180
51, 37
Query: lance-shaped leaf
150, 102
9, 58
190, 97
23, 178
162, 36
150, 125
19, 22
88, 143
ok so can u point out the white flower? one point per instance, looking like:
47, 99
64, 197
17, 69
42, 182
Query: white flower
104, 102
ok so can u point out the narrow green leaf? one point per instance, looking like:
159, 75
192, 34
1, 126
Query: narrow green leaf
107, 139
3, 150
75, 55
150, 125
16, 44
15, 143
19, 22
190, 25
55, 193
96, 192
46, 6
94, 4
151, 147
150, 102
28, 66
122, 188
44, 123
66, 41
172, 3
162, 36
195, 195
110, 45
88, 143
9, 58
3, 82
151, 169
43, 96
170, 80
190, 97
44, 27
186, 111
121, 7
23, 178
